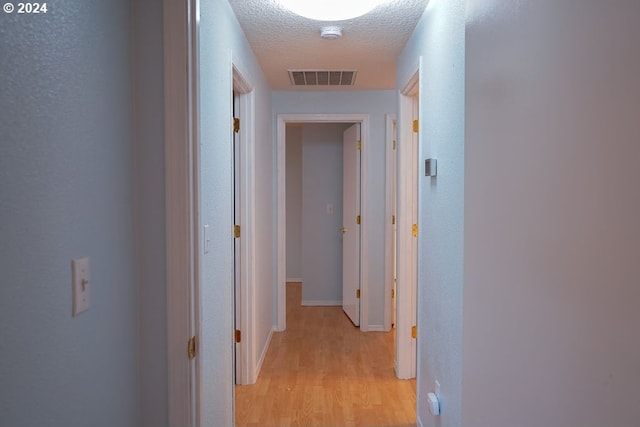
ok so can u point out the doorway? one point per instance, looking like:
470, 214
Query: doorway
283, 119
323, 211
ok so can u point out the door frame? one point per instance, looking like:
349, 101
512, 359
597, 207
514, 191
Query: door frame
390, 213
180, 30
282, 120
405, 362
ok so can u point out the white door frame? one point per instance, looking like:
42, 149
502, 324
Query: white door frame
181, 31
407, 267
390, 212
246, 96
282, 121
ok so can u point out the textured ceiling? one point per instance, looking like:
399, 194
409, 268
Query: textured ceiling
370, 44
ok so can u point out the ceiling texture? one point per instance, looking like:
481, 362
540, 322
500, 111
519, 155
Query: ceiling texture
370, 44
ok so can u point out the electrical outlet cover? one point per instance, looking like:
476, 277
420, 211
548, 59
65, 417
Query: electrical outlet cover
81, 285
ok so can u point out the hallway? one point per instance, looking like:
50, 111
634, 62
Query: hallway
322, 371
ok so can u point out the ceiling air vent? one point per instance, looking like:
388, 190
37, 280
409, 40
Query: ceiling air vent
322, 77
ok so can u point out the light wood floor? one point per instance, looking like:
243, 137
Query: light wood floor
322, 371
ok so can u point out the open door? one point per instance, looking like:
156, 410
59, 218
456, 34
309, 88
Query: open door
390, 246
394, 240
407, 231
237, 252
351, 224
242, 130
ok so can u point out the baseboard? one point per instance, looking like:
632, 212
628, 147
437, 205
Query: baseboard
419, 422
263, 354
295, 280
395, 368
377, 328
320, 303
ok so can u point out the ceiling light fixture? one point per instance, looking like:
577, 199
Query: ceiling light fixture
331, 10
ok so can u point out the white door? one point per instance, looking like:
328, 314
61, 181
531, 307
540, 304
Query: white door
406, 235
350, 224
394, 241
236, 241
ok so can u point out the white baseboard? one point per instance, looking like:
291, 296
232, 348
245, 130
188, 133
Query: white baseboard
320, 303
419, 422
295, 280
377, 328
263, 354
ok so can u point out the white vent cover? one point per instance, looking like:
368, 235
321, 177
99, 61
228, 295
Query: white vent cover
322, 77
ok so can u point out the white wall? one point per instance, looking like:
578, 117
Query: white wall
294, 201
221, 43
321, 239
439, 40
66, 191
376, 104
552, 206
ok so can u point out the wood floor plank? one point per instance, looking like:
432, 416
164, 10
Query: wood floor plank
325, 372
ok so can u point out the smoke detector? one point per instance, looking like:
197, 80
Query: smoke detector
331, 32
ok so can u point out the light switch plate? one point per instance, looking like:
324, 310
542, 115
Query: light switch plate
207, 238
81, 285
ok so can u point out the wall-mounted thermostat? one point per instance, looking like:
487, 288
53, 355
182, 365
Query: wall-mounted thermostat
430, 167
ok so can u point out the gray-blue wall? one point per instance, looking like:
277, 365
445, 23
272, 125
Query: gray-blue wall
552, 202
321, 241
294, 202
66, 191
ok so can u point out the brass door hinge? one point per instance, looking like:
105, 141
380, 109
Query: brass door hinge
393, 293
359, 145
358, 220
394, 144
357, 293
393, 219
414, 332
236, 231
414, 230
236, 124
416, 126
237, 336
191, 348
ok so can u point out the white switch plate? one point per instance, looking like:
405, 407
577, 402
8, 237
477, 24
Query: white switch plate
81, 285
207, 239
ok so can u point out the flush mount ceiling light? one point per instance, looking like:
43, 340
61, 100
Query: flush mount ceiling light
331, 10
